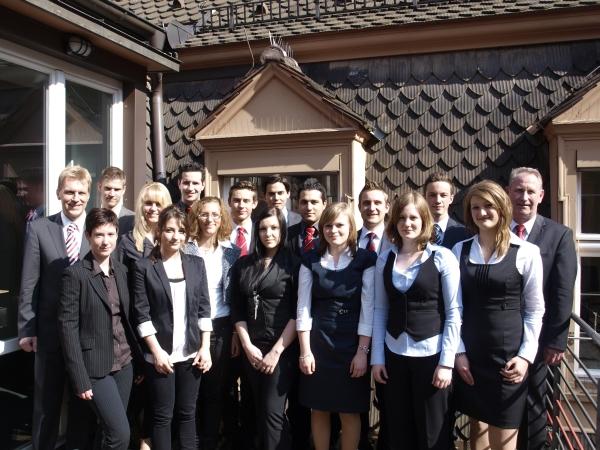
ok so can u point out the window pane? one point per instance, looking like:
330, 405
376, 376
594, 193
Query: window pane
88, 130
590, 201
590, 308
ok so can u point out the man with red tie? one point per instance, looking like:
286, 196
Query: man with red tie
242, 201
559, 259
312, 200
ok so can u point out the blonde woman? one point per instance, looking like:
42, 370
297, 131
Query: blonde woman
209, 228
416, 329
503, 306
334, 323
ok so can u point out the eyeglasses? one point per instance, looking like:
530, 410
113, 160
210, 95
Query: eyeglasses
205, 216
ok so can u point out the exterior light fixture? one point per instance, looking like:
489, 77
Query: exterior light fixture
78, 46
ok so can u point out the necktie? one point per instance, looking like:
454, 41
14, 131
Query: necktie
240, 241
520, 230
438, 237
371, 243
71, 244
309, 239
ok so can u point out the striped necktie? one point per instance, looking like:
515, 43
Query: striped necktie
71, 244
371, 243
520, 230
241, 242
309, 240
438, 237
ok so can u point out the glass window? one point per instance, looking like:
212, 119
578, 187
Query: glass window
590, 308
590, 201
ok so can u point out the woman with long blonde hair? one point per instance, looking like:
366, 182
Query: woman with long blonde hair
503, 306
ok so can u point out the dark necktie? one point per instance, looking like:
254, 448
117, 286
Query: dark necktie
520, 230
309, 239
438, 236
240, 241
371, 242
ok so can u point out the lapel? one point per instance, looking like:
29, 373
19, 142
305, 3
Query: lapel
159, 268
122, 286
85, 245
186, 263
536, 231
96, 280
56, 234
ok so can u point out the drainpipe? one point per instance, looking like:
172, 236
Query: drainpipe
158, 142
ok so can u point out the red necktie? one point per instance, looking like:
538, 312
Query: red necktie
240, 241
520, 230
371, 243
309, 239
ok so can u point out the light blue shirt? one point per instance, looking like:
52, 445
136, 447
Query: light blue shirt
447, 343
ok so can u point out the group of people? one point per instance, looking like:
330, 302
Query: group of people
166, 299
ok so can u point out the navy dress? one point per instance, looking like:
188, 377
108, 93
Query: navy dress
335, 311
492, 332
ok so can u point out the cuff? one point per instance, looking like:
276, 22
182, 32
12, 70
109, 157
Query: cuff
528, 352
205, 324
461, 347
303, 324
146, 329
365, 329
447, 359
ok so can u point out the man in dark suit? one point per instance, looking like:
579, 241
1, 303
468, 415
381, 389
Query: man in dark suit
242, 201
52, 244
111, 188
312, 200
439, 193
559, 259
276, 190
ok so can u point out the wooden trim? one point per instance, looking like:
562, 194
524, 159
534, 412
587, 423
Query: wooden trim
562, 25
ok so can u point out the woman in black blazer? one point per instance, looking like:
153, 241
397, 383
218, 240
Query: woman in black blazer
264, 296
97, 339
172, 313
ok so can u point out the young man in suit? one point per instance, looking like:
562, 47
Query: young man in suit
439, 193
559, 259
191, 185
276, 190
111, 189
52, 244
312, 200
242, 201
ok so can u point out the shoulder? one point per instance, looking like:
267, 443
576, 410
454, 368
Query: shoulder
231, 251
43, 223
294, 230
459, 245
126, 212
186, 258
553, 226
524, 247
309, 258
365, 257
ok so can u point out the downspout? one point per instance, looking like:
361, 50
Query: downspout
158, 141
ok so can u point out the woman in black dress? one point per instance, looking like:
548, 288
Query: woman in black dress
503, 306
334, 323
264, 293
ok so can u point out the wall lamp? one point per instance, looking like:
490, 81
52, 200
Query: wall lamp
78, 46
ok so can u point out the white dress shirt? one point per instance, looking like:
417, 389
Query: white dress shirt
80, 222
529, 265
448, 342
528, 227
364, 239
305, 280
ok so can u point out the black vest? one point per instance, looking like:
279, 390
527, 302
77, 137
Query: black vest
420, 310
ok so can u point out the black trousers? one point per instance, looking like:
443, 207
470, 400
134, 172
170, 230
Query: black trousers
269, 394
382, 437
416, 412
299, 416
532, 432
213, 389
174, 398
111, 395
238, 417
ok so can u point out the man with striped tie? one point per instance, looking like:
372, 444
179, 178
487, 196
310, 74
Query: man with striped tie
52, 244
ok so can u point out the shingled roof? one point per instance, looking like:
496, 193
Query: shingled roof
299, 17
462, 112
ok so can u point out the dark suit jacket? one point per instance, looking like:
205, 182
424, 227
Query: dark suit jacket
455, 232
153, 300
126, 221
295, 238
85, 321
559, 259
45, 259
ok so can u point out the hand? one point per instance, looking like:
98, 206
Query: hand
235, 345
442, 377
515, 370
28, 344
203, 360
138, 379
269, 362
379, 373
162, 364
358, 366
87, 395
254, 355
552, 356
307, 364
462, 366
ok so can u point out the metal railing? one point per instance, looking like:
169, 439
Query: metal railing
264, 11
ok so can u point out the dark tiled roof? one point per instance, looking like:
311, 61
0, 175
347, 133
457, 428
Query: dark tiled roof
462, 112
162, 11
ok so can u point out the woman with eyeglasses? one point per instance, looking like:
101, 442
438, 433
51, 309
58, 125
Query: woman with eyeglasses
209, 228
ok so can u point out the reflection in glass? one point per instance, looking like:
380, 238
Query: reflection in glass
590, 308
590, 201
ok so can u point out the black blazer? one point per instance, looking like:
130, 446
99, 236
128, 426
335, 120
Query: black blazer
153, 302
85, 322
559, 259
455, 232
44, 259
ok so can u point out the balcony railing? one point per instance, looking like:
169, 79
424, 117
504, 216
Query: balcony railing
258, 12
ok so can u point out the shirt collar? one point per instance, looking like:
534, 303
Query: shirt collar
429, 248
96, 269
247, 226
528, 225
117, 208
80, 221
345, 254
443, 223
379, 230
